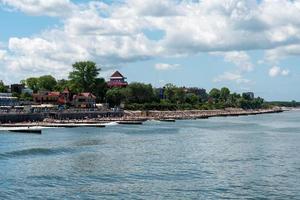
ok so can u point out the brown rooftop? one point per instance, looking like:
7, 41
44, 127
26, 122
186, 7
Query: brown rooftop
117, 74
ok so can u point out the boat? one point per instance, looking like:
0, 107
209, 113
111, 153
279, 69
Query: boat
167, 120
130, 122
26, 130
73, 125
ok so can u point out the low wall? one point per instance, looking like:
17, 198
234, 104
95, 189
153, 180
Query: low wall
20, 117
16, 117
83, 115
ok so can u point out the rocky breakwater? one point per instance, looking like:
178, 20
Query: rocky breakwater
195, 114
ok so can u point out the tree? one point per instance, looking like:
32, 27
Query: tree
2, 87
62, 84
140, 93
169, 92
100, 89
215, 94
224, 94
46, 82
83, 76
32, 83
294, 103
25, 97
179, 95
192, 98
116, 96
247, 96
233, 99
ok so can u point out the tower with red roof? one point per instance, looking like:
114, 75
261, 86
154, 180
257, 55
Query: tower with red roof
117, 80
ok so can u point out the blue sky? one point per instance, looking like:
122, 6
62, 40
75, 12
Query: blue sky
244, 45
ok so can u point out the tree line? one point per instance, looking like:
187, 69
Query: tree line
84, 77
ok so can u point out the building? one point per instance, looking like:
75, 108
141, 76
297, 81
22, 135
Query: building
65, 97
84, 100
6, 99
45, 97
17, 88
81, 100
117, 80
60, 98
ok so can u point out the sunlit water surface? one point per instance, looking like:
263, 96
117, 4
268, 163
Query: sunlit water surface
234, 157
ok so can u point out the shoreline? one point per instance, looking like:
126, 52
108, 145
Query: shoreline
141, 116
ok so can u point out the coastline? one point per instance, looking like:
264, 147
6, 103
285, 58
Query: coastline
141, 116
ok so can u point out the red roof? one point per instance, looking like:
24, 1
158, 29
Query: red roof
117, 74
85, 94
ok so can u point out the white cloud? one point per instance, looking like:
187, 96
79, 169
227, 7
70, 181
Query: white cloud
243, 63
276, 71
229, 76
165, 66
239, 58
285, 72
112, 34
41, 7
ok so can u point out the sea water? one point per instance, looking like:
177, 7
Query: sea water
254, 157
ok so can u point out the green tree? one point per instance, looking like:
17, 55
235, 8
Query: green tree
140, 93
46, 82
179, 95
294, 103
169, 92
116, 96
25, 97
246, 96
62, 84
83, 77
32, 83
215, 94
224, 94
191, 98
233, 99
100, 89
2, 87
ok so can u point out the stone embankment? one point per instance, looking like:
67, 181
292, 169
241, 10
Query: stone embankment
195, 114
96, 118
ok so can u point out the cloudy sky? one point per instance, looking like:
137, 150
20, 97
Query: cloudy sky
246, 45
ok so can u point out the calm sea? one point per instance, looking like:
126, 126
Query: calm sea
256, 157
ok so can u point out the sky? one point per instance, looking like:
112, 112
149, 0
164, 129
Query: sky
246, 45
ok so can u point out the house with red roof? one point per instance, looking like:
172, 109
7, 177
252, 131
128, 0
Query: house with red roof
84, 100
81, 100
45, 97
117, 80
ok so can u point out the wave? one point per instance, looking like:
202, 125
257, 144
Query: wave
34, 152
111, 124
